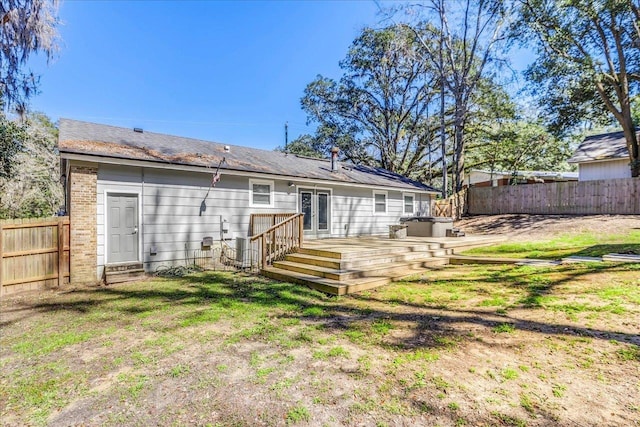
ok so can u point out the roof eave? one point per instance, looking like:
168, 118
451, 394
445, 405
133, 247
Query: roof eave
608, 159
160, 164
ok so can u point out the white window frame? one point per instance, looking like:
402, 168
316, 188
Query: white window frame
413, 203
271, 193
386, 202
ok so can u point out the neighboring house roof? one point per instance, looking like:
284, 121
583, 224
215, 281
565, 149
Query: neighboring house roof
607, 146
557, 175
77, 137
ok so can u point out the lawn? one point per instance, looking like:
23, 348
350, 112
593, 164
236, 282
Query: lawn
460, 345
589, 244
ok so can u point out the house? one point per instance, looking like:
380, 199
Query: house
602, 156
486, 178
136, 197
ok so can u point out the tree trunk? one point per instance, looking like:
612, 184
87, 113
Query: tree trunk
632, 145
630, 136
458, 165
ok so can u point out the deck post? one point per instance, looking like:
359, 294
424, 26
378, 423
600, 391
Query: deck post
300, 229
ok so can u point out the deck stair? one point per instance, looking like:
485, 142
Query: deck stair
342, 266
340, 272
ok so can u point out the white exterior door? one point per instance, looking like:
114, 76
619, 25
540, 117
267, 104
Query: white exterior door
122, 228
315, 204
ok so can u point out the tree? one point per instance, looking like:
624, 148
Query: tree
26, 27
12, 137
379, 112
588, 62
468, 39
33, 189
304, 145
519, 144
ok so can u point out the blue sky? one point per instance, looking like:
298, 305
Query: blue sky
232, 72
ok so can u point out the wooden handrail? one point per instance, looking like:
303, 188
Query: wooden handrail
280, 239
275, 226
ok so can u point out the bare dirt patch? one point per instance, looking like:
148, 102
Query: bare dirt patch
470, 345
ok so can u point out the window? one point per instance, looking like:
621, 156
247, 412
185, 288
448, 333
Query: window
408, 204
379, 202
261, 193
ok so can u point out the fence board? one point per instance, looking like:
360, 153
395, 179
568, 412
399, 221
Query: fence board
602, 197
34, 254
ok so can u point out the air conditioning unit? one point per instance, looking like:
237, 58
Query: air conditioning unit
242, 252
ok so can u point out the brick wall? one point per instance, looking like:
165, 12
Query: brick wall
83, 214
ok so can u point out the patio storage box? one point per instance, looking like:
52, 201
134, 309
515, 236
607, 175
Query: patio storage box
427, 226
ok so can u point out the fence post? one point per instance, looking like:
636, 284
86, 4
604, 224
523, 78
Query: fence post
60, 251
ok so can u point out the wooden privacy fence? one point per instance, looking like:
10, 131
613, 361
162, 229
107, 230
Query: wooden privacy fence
34, 254
612, 196
454, 206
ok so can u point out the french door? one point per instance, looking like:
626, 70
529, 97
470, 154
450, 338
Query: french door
315, 204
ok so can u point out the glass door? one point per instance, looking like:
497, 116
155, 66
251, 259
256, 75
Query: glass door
316, 206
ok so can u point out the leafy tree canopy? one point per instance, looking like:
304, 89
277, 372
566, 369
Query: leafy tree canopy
33, 188
304, 145
588, 64
26, 27
378, 113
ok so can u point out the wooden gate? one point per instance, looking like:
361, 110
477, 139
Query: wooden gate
454, 206
34, 254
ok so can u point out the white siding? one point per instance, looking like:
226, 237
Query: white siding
174, 218
609, 169
353, 211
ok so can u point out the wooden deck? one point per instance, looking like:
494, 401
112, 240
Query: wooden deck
345, 265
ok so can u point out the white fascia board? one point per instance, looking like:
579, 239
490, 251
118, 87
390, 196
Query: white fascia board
608, 159
204, 169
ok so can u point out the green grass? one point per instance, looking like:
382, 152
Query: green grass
298, 414
126, 342
504, 328
629, 353
44, 343
584, 244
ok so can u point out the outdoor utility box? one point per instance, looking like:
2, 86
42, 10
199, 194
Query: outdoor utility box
207, 242
398, 231
427, 226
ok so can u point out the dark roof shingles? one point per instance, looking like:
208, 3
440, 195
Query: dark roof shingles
601, 147
110, 141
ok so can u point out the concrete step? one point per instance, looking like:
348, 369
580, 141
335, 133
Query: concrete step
578, 259
621, 258
111, 268
119, 273
340, 264
123, 276
391, 270
322, 284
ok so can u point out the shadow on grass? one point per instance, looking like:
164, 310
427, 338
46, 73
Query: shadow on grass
600, 250
435, 325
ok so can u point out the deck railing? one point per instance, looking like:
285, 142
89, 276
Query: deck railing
280, 239
260, 222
